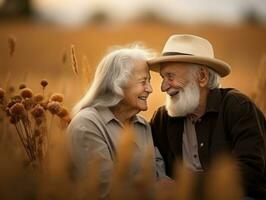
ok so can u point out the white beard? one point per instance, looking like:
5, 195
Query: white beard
185, 102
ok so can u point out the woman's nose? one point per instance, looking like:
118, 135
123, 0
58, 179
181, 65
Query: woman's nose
149, 88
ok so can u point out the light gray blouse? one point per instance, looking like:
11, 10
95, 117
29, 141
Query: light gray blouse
97, 131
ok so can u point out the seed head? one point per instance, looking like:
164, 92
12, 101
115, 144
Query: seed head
18, 111
17, 98
22, 86
7, 111
74, 61
44, 83
64, 58
57, 97
10, 103
11, 89
38, 98
28, 103
44, 104
26, 93
54, 107
2, 93
63, 112
12, 45
38, 111
13, 120
66, 119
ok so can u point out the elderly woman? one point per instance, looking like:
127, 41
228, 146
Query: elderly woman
119, 91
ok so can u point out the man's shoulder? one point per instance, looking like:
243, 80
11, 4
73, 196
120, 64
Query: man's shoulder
233, 95
235, 104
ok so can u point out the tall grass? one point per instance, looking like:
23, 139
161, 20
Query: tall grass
52, 178
260, 96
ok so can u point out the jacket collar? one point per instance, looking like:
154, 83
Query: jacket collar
214, 99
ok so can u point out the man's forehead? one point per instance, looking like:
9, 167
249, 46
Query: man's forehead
174, 66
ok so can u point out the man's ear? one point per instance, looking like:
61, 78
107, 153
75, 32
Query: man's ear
203, 76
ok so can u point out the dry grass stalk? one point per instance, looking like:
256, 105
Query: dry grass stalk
64, 57
74, 60
6, 84
144, 181
121, 177
89, 188
223, 182
260, 97
87, 71
184, 185
55, 181
12, 45
28, 113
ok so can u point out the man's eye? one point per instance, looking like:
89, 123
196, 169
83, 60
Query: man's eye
143, 82
171, 76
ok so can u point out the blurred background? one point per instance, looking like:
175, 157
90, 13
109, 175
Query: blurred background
36, 38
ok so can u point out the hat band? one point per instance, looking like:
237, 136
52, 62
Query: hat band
175, 54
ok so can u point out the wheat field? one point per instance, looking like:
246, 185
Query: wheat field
66, 58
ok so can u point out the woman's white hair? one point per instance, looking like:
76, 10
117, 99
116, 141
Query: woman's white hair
111, 76
214, 77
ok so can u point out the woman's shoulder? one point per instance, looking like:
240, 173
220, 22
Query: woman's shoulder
84, 116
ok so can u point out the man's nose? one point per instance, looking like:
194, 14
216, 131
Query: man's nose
165, 85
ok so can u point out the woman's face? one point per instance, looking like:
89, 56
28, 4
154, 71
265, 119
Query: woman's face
138, 88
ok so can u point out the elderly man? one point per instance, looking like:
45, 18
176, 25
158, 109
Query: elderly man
200, 120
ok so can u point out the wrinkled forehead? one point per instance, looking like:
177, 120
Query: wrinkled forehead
171, 67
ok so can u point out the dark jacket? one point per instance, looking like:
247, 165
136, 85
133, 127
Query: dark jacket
231, 123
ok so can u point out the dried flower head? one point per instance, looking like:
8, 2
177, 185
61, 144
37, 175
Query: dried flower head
13, 120
12, 45
17, 98
44, 104
37, 111
54, 107
7, 111
67, 119
11, 89
57, 97
38, 98
10, 103
22, 86
28, 103
63, 112
18, 111
26, 93
44, 83
2, 93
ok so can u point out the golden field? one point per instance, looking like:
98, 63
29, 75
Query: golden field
44, 51
40, 48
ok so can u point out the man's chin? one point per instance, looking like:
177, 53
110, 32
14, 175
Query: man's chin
174, 114
173, 110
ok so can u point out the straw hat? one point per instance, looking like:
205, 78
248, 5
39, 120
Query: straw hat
190, 49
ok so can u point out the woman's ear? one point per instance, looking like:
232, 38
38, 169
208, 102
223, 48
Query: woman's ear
203, 76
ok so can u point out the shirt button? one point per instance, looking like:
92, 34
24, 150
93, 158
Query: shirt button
199, 120
201, 144
195, 156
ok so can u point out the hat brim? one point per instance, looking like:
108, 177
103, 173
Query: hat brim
221, 67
